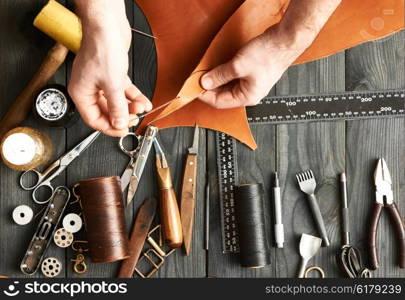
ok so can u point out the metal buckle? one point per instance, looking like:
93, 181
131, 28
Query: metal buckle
157, 251
80, 265
155, 265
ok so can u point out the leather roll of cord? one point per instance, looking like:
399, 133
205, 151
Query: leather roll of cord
253, 243
104, 217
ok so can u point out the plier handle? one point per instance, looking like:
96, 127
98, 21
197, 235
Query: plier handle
385, 199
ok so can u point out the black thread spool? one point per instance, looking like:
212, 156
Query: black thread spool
253, 243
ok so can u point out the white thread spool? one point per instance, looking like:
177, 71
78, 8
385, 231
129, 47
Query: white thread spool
22, 214
72, 223
63, 238
51, 267
24, 148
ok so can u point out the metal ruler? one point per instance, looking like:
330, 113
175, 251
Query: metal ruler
286, 109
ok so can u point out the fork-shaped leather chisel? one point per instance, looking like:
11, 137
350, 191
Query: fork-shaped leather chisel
307, 183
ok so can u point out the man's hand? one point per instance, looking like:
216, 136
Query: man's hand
249, 76
99, 85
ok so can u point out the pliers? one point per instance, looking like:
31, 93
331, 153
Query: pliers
383, 184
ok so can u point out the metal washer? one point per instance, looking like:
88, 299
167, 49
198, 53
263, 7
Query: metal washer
51, 267
63, 238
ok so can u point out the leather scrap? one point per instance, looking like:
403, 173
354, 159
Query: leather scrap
196, 35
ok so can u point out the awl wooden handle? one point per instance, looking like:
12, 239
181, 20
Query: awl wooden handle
21, 106
170, 218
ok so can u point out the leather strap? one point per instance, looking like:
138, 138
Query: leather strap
139, 233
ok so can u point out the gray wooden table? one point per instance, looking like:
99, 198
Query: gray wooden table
328, 148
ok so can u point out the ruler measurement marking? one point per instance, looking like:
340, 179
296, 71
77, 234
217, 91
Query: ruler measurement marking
288, 109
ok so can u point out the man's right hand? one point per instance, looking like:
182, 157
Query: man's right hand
99, 85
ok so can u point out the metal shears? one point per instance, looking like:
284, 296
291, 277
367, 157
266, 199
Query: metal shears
43, 180
138, 157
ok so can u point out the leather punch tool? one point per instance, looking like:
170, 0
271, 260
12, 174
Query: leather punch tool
383, 184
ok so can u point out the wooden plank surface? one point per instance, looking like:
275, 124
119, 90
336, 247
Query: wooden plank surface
317, 146
327, 148
378, 65
22, 49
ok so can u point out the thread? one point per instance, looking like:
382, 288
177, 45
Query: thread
53, 107
24, 148
104, 218
253, 243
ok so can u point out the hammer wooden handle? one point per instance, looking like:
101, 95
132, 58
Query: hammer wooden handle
21, 106
170, 218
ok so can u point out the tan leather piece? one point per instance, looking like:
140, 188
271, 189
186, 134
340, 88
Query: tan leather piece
186, 27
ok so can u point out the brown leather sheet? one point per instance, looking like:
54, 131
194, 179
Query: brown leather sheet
197, 35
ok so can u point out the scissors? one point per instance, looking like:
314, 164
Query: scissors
138, 157
43, 180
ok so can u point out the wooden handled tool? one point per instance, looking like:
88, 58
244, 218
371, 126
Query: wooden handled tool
169, 210
20, 108
188, 192
139, 234
170, 218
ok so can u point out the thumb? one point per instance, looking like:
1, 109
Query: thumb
117, 108
219, 76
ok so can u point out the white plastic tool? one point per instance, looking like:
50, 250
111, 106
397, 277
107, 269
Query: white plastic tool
72, 223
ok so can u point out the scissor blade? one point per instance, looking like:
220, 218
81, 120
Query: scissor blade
194, 148
126, 176
76, 151
133, 186
87, 142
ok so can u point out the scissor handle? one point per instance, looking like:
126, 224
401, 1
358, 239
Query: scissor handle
314, 268
135, 150
23, 179
45, 185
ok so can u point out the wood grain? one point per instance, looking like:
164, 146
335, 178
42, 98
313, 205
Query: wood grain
377, 65
318, 146
327, 148
22, 49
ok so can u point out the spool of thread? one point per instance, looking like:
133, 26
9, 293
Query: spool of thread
253, 242
53, 107
104, 218
24, 148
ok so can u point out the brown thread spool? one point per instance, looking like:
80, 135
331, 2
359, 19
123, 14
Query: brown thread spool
24, 148
104, 217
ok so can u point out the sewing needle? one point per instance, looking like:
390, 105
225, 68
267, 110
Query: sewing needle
143, 33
